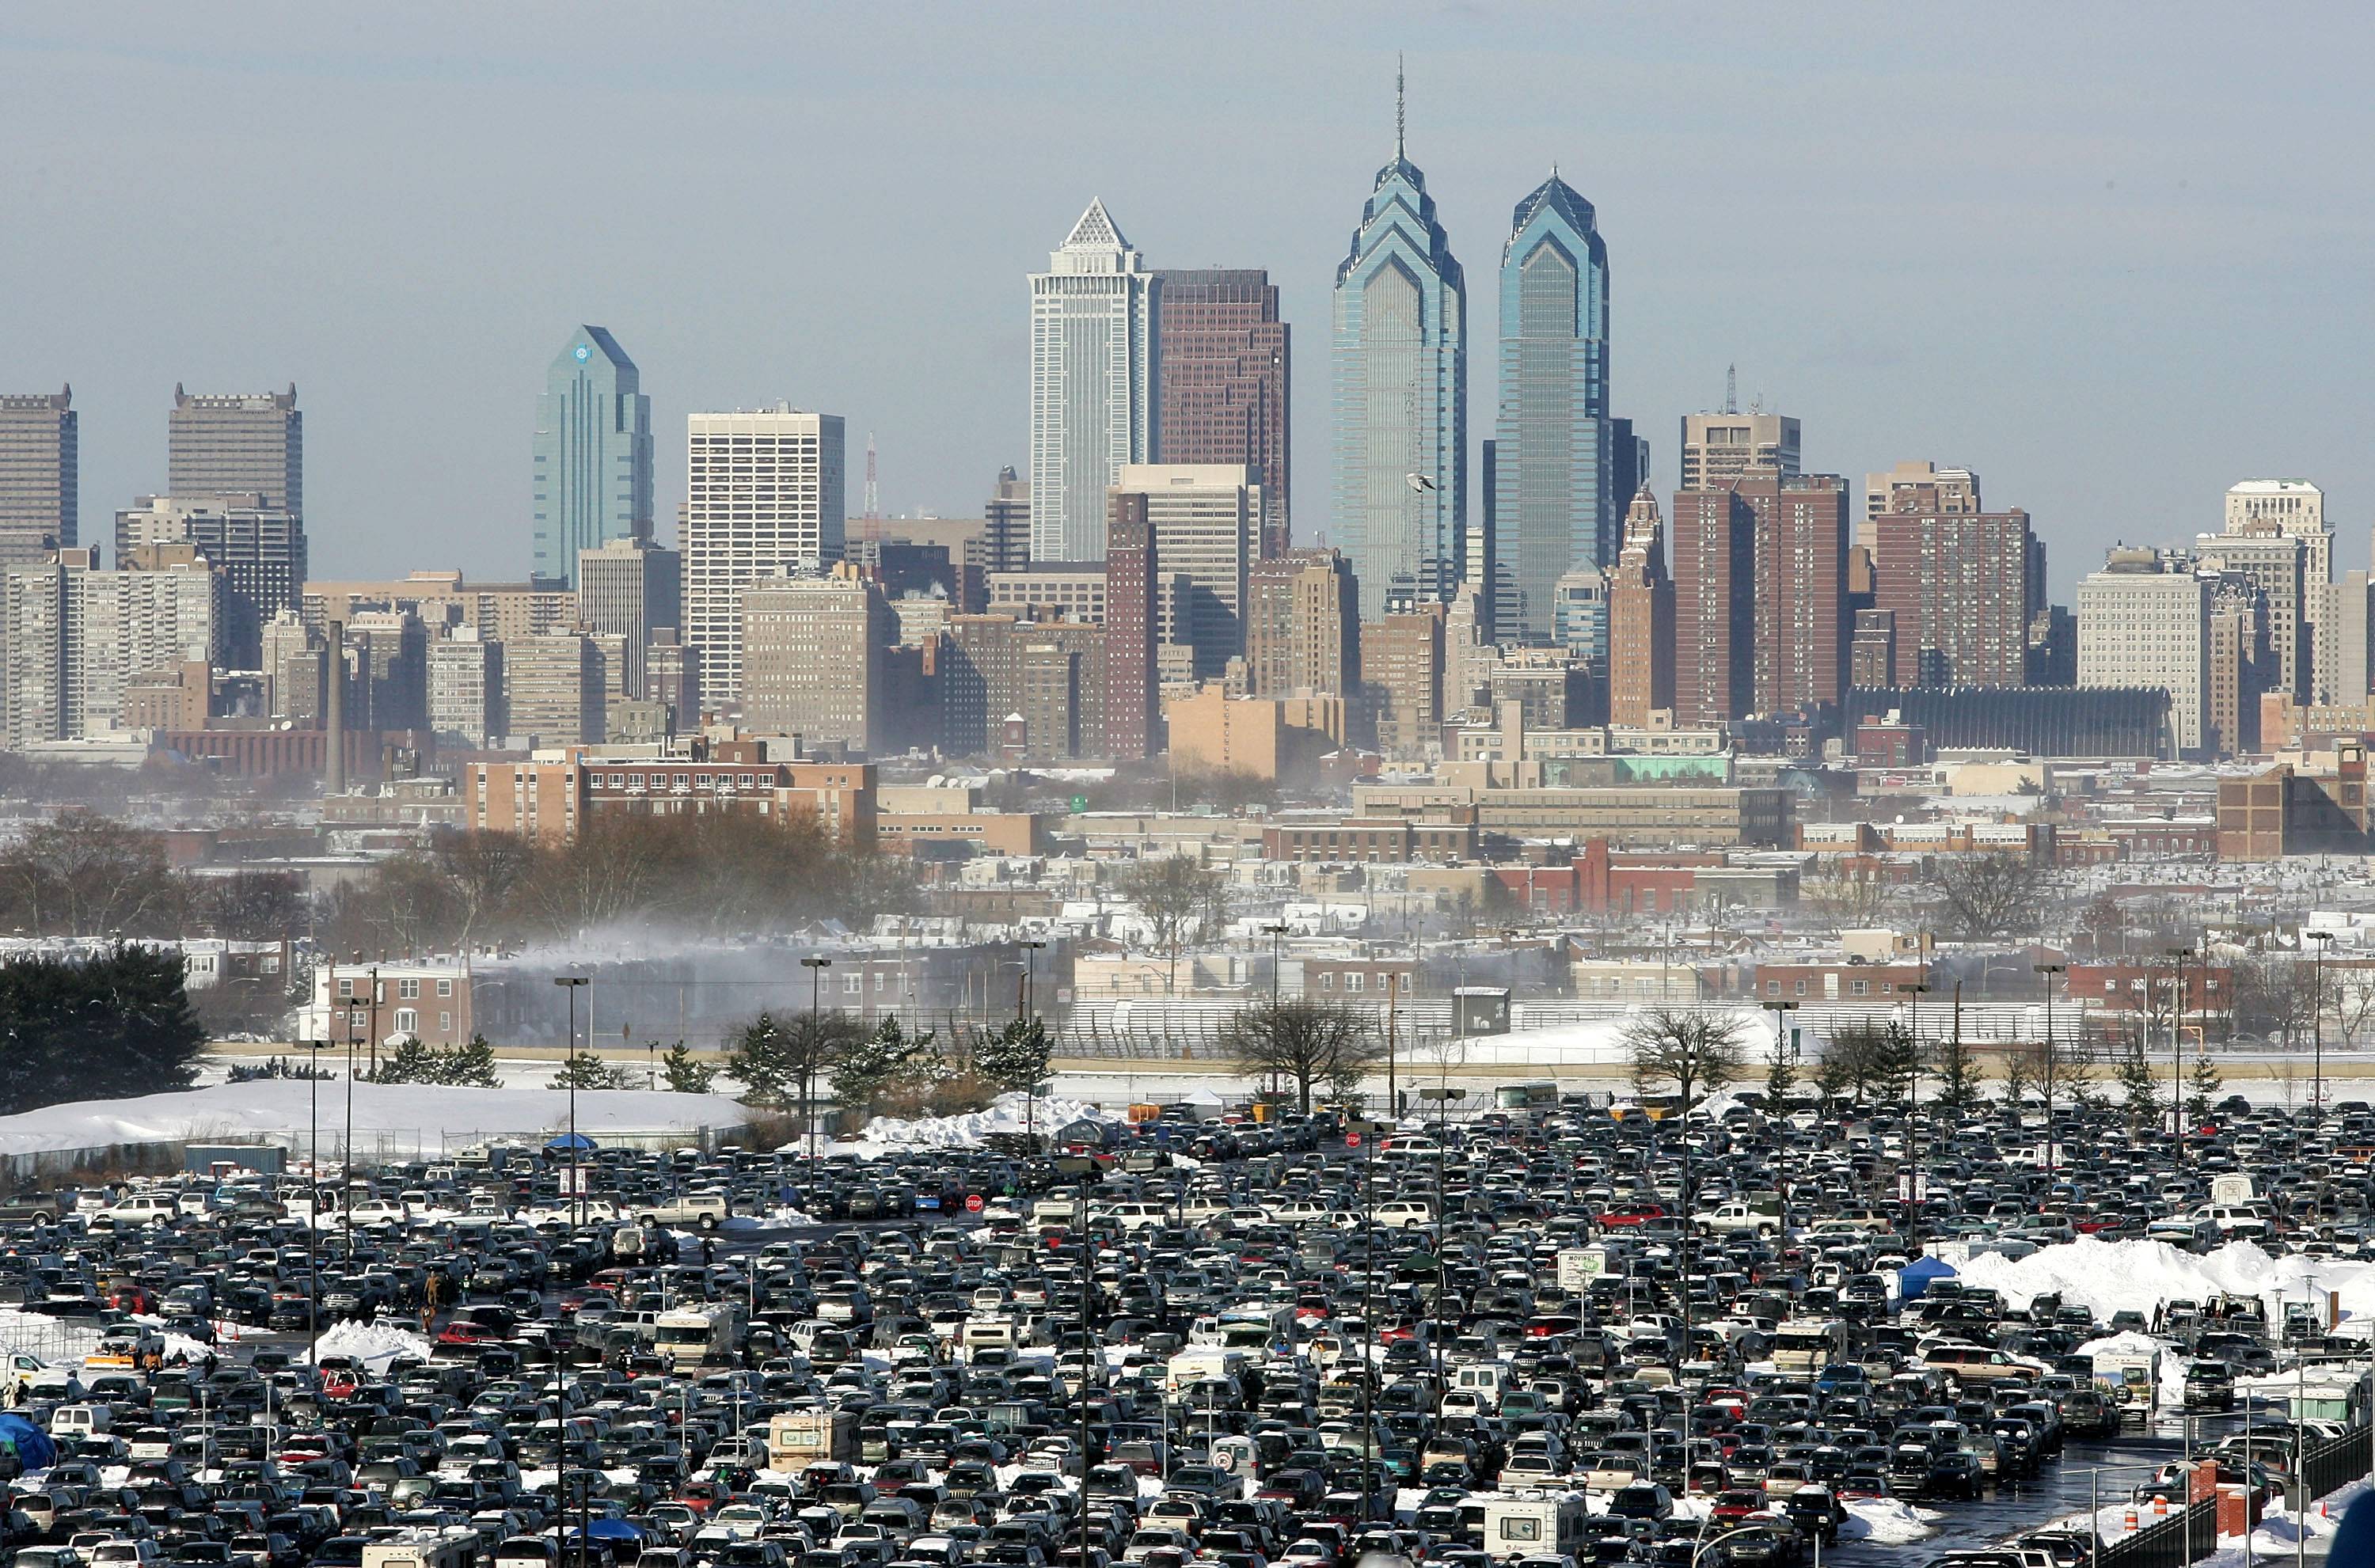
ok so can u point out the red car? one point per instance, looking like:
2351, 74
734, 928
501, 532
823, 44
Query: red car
1732, 1506
1631, 1214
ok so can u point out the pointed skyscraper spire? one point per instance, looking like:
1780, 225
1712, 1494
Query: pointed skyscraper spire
1397, 109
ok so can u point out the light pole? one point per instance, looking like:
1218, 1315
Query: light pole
1781, 1011
347, 1146
1919, 989
570, 984
815, 966
313, 1172
1276, 933
1031, 1090
2176, 1048
2317, 1025
2051, 1061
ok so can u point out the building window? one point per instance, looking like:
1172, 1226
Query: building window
406, 1022
1328, 980
445, 987
408, 990
445, 1023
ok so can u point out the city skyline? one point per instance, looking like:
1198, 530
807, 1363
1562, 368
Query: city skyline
2080, 239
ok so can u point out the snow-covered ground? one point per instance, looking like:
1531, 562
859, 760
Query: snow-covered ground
375, 1345
406, 1119
1885, 1521
2138, 1275
1007, 1114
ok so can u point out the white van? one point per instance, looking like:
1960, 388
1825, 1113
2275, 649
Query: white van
144, 1209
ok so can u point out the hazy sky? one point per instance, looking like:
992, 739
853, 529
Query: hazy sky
2111, 256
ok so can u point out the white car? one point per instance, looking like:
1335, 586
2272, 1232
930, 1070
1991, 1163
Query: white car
143, 1209
381, 1211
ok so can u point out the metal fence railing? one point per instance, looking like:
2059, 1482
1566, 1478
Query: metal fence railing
2188, 1534
2192, 1533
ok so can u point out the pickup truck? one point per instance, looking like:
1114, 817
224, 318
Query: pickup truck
703, 1211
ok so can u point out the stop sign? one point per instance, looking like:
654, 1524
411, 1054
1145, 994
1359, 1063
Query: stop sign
1351, 1140
973, 1203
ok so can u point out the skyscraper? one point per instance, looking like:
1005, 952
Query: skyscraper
1641, 620
2145, 621
40, 475
1963, 586
1224, 380
1205, 521
1302, 627
762, 490
1554, 511
629, 588
1714, 605
1095, 320
259, 550
816, 652
1401, 396
1722, 447
1005, 524
1801, 568
592, 454
238, 444
1131, 708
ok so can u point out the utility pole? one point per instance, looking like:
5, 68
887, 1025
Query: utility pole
573, 983
1911, 1173
2176, 1048
1781, 1011
2050, 971
815, 966
2317, 1025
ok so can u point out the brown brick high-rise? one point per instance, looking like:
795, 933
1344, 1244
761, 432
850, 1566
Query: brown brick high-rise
1223, 376
1714, 605
1802, 622
1129, 672
1640, 621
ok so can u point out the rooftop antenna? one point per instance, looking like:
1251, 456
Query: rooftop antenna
1398, 108
1731, 389
873, 491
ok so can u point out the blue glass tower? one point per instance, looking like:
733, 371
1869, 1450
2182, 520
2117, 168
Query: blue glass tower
1401, 396
592, 454
1554, 503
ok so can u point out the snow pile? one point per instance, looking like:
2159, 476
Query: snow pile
1884, 1521
1012, 1113
375, 1345
2139, 1276
432, 1117
50, 1338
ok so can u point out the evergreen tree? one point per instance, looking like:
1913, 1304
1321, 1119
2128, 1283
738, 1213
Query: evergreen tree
470, 1066
779, 1057
2016, 1080
1957, 1076
2202, 1084
872, 1064
1016, 1057
1781, 1072
2080, 1084
409, 1063
584, 1069
112, 1026
686, 1073
2136, 1085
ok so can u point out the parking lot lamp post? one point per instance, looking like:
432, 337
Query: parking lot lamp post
1781, 1011
570, 983
314, 1173
1919, 988
2176, 1049
816, 968
2051, 1061
2317, 1025
346, 1146
1276, 933
1031, 1090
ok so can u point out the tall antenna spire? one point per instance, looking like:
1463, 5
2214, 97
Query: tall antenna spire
1731, 389
1398, 108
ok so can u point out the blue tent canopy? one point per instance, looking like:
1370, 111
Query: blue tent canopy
568, 1141
1916, 1277
34, 1449
613, 1529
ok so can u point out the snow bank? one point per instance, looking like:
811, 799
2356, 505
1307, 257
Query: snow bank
1884, 1521
374, 1344
2138, 1275
398, 1118
1012, 1113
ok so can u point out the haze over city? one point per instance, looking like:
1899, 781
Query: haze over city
2112, 267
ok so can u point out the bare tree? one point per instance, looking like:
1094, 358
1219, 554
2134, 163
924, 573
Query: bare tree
1989, 895
1847, 899
1181, 898
1692, 1051
2352, 997
87, 876
1304, 1044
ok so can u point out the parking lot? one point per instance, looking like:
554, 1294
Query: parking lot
1491, 1340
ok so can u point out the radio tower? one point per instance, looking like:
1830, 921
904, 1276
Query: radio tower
870, 528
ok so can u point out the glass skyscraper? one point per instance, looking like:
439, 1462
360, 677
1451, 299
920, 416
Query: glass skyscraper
1555, 503
1094, 326
592, 454
1401, 397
